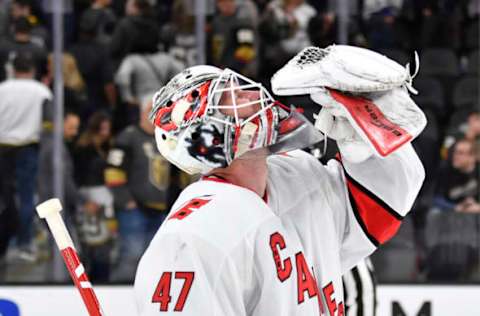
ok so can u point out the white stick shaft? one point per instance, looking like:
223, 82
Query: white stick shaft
59, 231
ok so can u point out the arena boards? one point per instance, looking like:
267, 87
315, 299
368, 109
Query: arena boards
393, 300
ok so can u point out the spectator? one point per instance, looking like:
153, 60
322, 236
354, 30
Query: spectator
457, 188
137, 32
25, 9
73, 200
467, 126
71, 124
473, 132
25, 103
96, 218
234, 38
283, 28
74, 90
384, 25
247, 9
21, 43
163, 10
322, 29
180, 35
372, 7
292, 16
440, 23
73, 84
140, 179
101, 19
139, 76
452, 254
8, 211
91, 151
94, 64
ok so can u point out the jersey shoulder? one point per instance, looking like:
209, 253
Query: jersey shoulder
298, 160
219, 213
296, 167
296, 177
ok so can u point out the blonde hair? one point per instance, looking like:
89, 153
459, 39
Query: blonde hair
71, 75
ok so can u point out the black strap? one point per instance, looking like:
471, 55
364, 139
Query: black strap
157, 74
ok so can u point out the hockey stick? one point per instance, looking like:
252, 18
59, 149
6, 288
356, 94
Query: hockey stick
50, 211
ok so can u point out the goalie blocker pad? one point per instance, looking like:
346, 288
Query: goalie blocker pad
385, 121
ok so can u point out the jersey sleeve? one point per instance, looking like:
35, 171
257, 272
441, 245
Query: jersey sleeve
185, 275
378, 193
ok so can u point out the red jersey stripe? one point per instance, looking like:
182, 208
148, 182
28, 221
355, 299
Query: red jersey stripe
379, 221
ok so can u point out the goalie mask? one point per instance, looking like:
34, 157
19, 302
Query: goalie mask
206, 117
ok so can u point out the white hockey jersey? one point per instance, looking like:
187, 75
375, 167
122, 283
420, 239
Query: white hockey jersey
223, 250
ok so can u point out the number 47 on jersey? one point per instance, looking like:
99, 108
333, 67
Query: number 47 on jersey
162, 291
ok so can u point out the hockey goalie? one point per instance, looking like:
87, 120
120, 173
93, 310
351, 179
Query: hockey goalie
268, 230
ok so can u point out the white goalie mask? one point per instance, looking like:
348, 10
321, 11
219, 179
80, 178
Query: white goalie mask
206, 117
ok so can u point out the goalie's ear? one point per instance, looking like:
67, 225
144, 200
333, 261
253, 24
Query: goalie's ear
340, 67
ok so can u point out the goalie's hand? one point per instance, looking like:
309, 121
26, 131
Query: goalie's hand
351, 146
383, 121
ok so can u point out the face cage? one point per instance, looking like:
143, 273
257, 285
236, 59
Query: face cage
236, 144
232, 82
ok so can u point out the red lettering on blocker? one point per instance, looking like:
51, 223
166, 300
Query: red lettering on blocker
385, 135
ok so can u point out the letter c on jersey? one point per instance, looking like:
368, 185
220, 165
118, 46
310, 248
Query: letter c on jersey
284, 268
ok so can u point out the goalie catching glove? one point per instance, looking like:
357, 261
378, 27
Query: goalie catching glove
366, 105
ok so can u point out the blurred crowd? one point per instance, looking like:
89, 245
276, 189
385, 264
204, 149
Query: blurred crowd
118, 188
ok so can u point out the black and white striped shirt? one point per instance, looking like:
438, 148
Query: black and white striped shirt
360, 290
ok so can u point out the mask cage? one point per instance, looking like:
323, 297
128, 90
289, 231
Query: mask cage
236, 85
